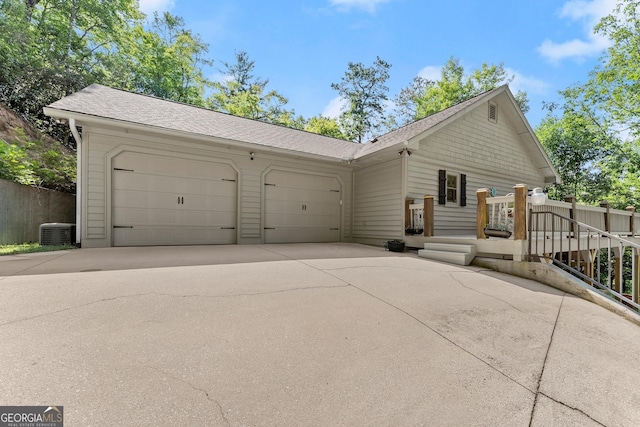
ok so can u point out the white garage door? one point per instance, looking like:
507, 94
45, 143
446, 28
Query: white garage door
166, 201
301, 208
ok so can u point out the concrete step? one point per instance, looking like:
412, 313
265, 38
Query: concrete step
450, 247
448, 252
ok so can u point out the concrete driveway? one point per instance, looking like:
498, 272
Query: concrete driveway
305, 334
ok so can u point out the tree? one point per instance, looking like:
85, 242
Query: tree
572, 143
609, 105
50, 49
614, 86
167, 61
365, 92
324, 126
424, 97
242, 94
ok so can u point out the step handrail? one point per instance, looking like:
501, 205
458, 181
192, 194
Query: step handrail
548, 242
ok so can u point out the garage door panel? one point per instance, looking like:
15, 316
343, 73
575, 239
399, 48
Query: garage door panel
299, 221
302, 180
300, 194
166, 201
302, 234
301, 208
215, 203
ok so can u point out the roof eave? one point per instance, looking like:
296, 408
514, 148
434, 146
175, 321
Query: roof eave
82, 118
553, 177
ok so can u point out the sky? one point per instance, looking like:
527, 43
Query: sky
302, 47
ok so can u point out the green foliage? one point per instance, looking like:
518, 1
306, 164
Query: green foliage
573, 144
614, 86
27, 248
14, 164
324, 126
166, 61
423, 97
365, 90
53, 48
242, 94
602, 116
35, 163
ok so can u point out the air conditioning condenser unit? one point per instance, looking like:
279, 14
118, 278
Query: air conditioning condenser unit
57, 233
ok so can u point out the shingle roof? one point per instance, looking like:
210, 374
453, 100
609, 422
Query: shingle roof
105, 102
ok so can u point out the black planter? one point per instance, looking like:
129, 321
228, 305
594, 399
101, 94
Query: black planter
394, 245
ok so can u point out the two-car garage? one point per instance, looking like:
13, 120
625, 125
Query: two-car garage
162, 200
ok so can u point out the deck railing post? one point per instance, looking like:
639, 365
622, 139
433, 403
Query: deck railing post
481, 213
427, 216
520, 213
632, 220
572, 211
607, 217
618, 286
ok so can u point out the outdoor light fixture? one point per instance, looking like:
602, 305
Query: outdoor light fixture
251, 154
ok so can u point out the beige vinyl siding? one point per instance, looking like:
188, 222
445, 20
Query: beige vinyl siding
472, 141
378, 202
489, 154
100, 143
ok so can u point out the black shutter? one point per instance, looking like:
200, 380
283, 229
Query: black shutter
463, 189
442, 187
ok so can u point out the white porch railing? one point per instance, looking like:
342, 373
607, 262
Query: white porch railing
417, 218
617, 222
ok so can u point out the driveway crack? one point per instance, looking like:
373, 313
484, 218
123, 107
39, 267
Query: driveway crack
205, 392
544, 363
15, 273
280, 291
455, 279
441, 335
572, 408
435, 331
51, 313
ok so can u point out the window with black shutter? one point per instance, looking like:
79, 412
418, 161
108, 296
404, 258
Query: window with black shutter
452, 188
442, 187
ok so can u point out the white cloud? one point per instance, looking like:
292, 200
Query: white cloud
589, 13
334, 108
528, 84
366, 5
150, 6
431, 72
593, 10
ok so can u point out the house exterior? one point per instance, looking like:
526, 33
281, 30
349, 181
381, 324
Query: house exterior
157, 172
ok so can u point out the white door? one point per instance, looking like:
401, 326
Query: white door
160, 200
301, 208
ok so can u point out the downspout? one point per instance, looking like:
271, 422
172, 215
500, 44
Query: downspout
76, 136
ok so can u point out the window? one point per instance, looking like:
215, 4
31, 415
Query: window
452, 188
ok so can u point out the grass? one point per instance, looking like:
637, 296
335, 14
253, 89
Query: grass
28, 248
